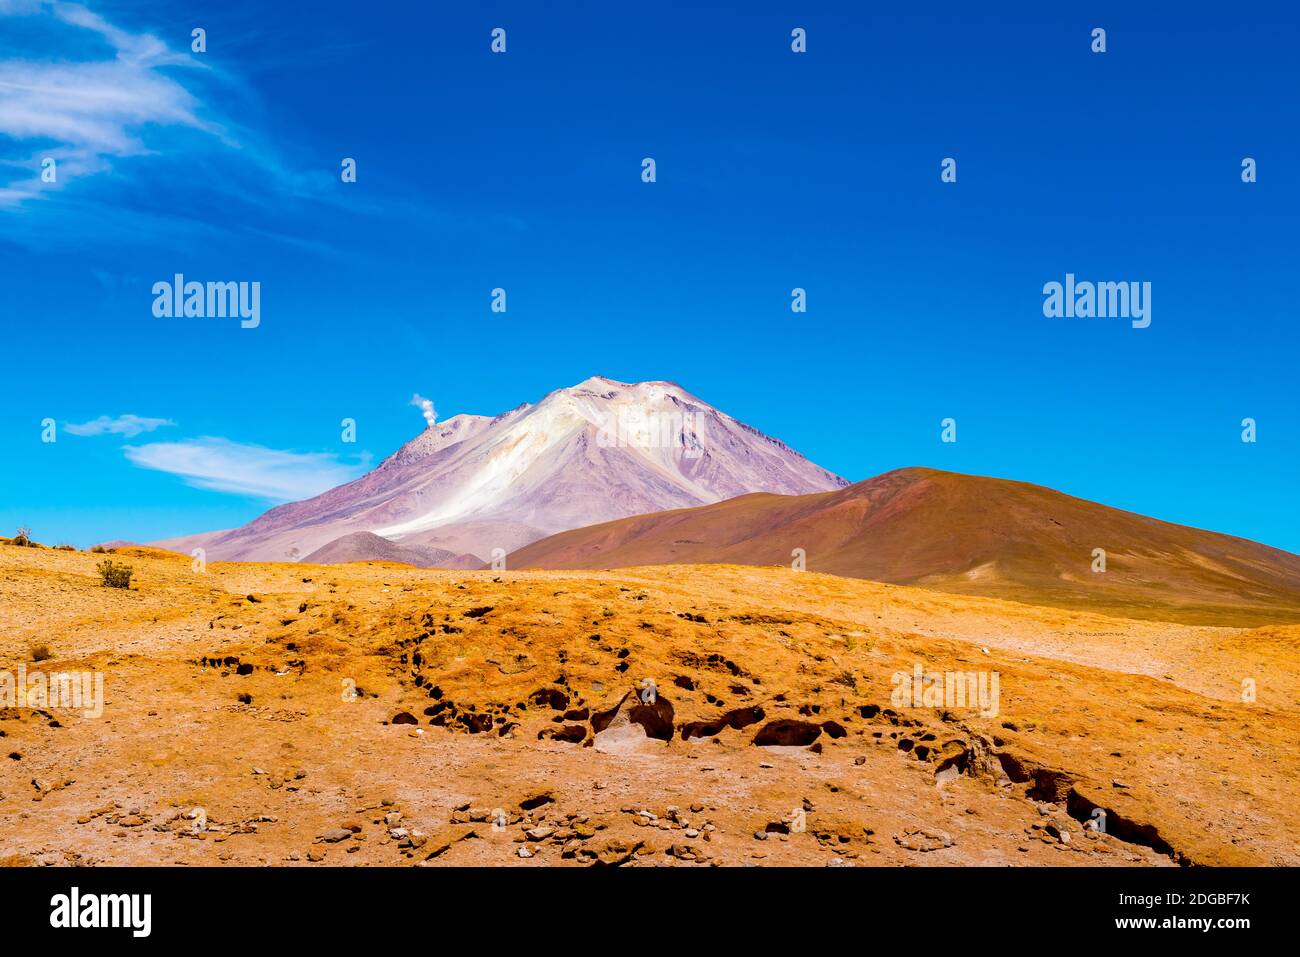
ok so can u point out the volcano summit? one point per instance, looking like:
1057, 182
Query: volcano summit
474, 484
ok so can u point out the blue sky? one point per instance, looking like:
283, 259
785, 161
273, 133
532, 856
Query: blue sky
522, 170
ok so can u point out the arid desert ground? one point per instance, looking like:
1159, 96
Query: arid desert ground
378, 714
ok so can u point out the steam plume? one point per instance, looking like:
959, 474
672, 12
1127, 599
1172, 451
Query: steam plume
426, 408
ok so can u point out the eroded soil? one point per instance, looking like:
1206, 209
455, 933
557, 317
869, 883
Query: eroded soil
378, 714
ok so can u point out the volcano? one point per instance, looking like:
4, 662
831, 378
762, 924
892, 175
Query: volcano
484, 486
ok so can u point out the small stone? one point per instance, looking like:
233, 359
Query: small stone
540, 833
335, 835
760, 835
525, 852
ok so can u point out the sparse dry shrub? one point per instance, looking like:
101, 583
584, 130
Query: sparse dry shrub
40, 652
846, 678
114, 576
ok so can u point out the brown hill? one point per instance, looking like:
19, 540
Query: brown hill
964, 534
369, 547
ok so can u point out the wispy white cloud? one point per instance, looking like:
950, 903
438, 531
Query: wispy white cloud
130, 47
150, 142
12, 7
127, 425
172, 134
225, 466
92, 111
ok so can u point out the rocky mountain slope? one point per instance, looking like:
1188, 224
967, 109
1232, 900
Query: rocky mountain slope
599, 450
960, 533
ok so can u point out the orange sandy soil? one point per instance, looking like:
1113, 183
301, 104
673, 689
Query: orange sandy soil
525, 707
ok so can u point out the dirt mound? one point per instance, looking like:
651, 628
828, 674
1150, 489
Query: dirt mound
368, 547
964, 534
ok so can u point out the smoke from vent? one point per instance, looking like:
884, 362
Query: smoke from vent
426, 408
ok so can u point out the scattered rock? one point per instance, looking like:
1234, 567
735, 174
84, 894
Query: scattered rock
923, 839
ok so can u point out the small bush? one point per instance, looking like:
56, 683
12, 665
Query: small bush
115, 576
99, 549
40, 652
22, 538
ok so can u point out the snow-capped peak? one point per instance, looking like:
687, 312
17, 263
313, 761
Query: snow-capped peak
595, 451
